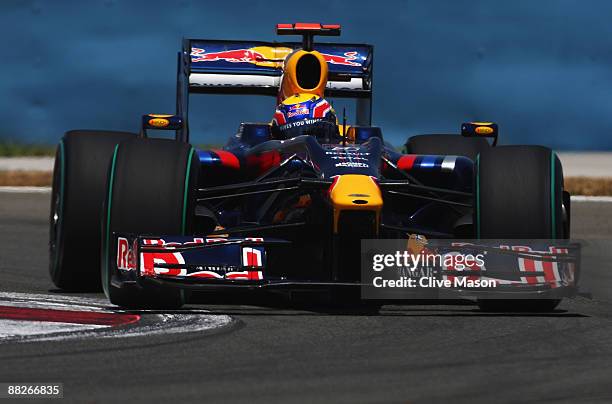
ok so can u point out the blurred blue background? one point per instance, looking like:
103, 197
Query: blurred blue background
541, 69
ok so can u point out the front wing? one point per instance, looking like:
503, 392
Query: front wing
219, 262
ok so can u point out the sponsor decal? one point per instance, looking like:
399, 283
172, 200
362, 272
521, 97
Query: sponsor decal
298, 111
126, 259
348, 149
235, 275
346, 154
148, 260
159, 122
299, 123
552, 275
266, 56
217, 269
252, 257
478, 128
353, 164
350, 156
348, 59
483, 130
232, 56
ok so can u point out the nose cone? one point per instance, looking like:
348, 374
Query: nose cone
355, 192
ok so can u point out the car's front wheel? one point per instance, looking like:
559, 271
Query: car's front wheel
519, 195
79, 179
151, 191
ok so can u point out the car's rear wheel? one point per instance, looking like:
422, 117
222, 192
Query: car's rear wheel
519, 195
151, 190
453, 145
79, 183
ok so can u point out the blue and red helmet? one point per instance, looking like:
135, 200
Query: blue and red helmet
305, 114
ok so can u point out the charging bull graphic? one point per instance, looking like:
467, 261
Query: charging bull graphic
267, 56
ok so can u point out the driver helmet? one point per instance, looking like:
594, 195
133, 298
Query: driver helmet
305, 114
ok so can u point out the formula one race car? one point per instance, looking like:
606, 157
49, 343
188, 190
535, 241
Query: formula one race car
285, 205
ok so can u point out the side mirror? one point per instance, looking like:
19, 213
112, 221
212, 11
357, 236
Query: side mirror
361, 134
161, 122
480, 129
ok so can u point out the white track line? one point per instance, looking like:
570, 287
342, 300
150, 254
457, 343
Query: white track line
26, 163
586, 164
25, 190
582, 198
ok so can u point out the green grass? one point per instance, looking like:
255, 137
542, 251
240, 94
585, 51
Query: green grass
14, 149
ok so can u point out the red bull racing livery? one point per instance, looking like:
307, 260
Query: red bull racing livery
287, 202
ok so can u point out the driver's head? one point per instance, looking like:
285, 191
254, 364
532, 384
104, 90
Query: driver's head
305, 114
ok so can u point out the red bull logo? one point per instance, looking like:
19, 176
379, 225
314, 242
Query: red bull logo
347, 59
297, 109
266, 56
232, 56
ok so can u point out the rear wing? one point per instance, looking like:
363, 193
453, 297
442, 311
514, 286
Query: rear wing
249, 67
255, 68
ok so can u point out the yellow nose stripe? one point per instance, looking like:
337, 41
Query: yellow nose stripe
355, 192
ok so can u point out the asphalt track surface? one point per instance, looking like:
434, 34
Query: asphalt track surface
297, 353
